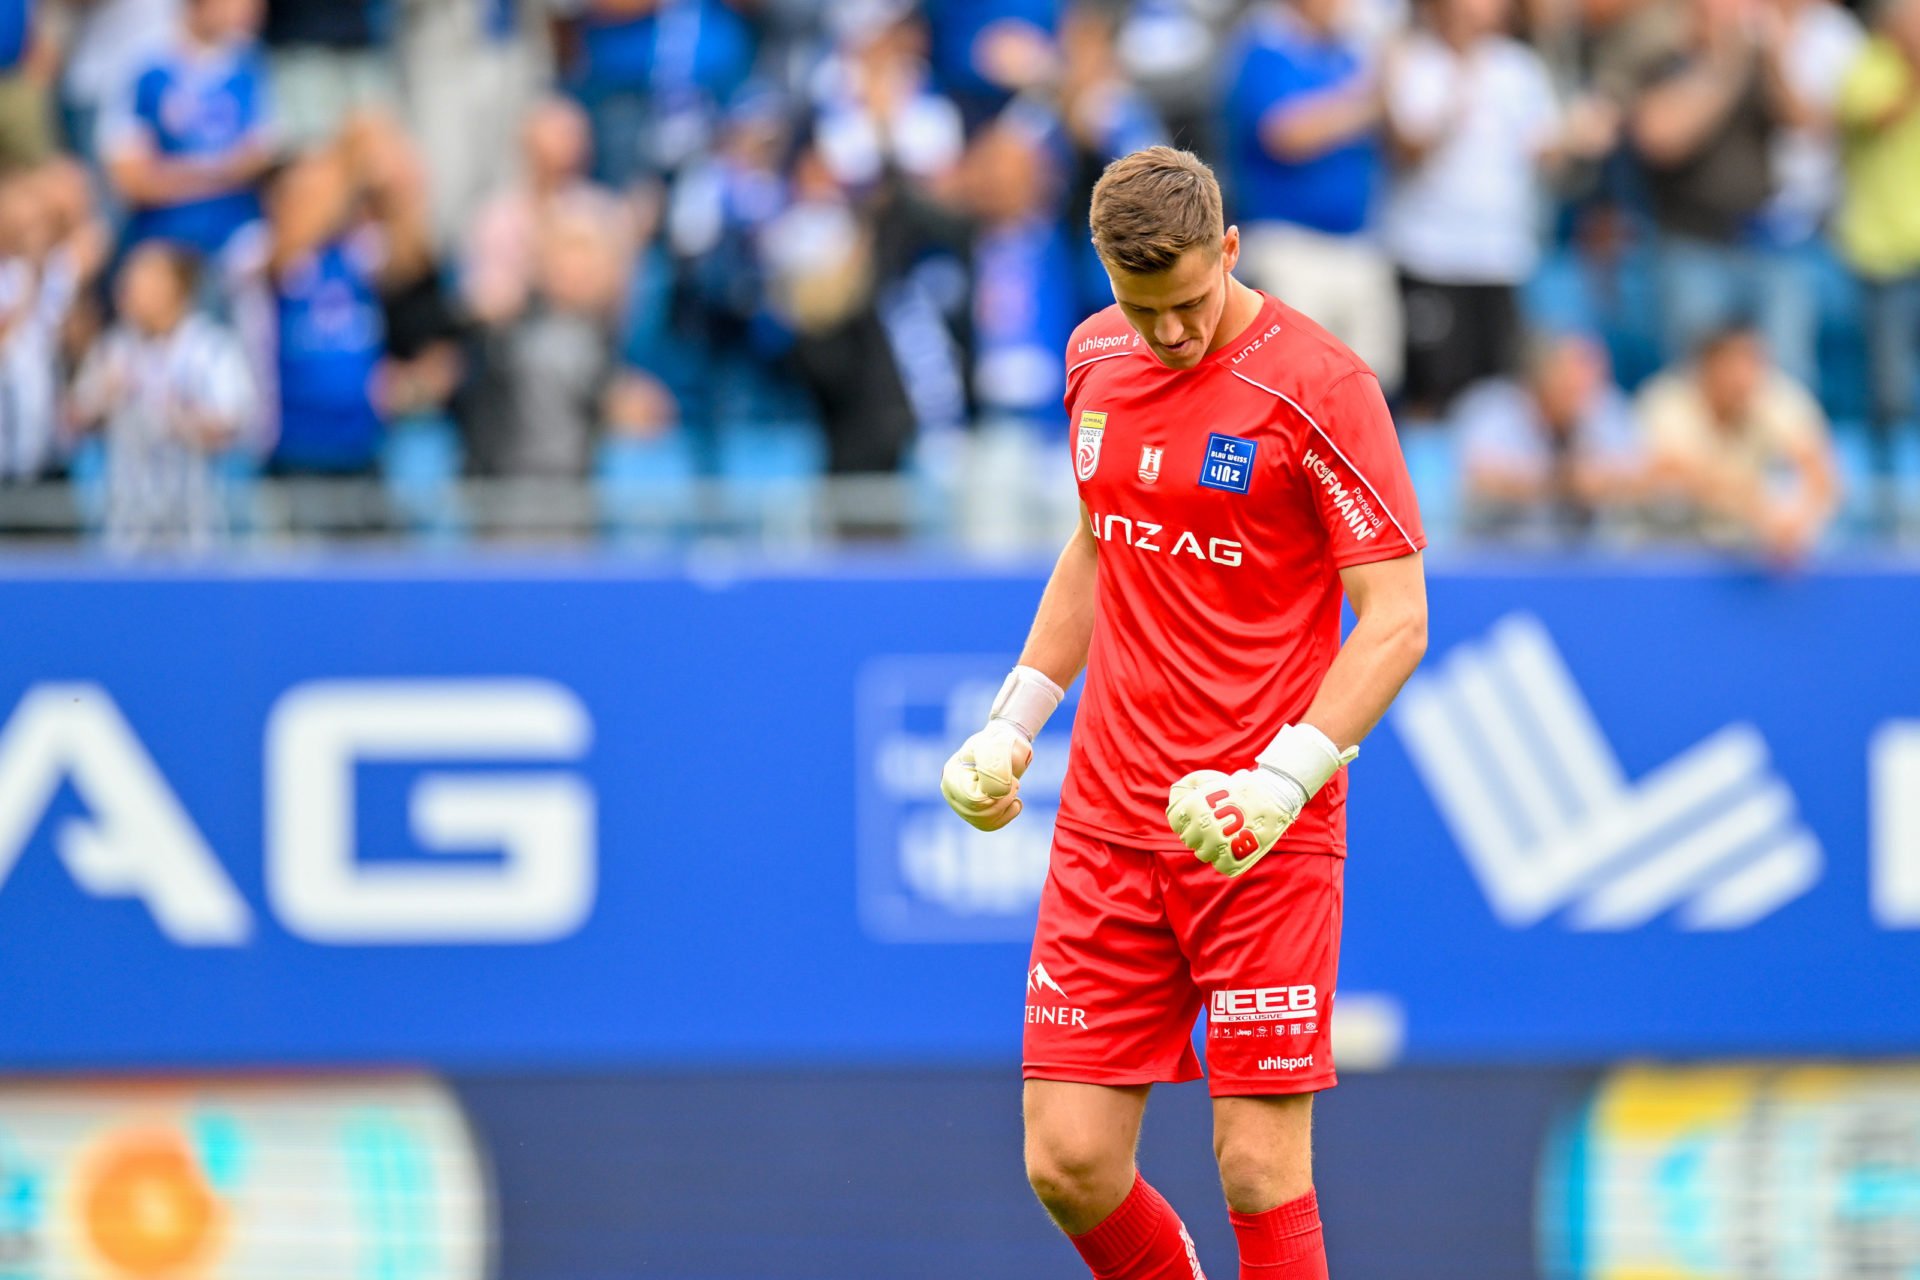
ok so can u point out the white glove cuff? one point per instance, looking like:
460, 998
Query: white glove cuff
1026, 700
1306, 755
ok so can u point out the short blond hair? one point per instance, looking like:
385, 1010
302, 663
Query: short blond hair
1152, 206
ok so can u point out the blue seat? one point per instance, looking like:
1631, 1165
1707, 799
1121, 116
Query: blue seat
646, 488
769, 452
420, 464
1433, 464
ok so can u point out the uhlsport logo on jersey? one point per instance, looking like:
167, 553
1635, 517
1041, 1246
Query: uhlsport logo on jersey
1548, 822
1229, 463
1150, 464
1041, 983
1086, 453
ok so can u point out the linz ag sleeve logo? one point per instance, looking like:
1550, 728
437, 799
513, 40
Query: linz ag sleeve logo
1228, 465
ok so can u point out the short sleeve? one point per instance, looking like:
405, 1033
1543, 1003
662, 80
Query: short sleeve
1670, 419
1354, 470
1266, 78
220, 384
1872, 86
1545, 120
1421, 91
1495, 431
1793, 419
126, 122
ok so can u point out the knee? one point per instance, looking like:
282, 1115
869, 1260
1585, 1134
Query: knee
1078, 1181
1257, 1177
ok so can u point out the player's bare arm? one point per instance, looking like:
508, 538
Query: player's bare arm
981, 780
1232, 820
1389, 637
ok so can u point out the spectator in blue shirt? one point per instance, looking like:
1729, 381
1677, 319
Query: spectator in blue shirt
1024, 304
1103, 116
653, 75
985, 51
329, 329
195, 134
1303, 116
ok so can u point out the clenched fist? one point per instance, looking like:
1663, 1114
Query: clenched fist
1231, 820
982, 779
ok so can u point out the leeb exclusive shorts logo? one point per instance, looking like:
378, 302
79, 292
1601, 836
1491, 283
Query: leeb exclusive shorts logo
1086, 453
1229, 463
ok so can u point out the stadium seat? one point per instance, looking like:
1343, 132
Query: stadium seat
646, 489
420, 463
1434, 466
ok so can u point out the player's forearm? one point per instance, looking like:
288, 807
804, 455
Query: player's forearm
1388, 639
1302, 131
1063, 625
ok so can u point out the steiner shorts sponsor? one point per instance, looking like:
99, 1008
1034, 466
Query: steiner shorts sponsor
1057, 1016
1286, 1064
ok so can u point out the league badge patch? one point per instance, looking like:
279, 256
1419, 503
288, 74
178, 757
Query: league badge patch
1150, 464
1228, 465
1086, 453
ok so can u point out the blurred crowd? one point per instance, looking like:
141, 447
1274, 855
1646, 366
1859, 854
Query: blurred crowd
1633, 270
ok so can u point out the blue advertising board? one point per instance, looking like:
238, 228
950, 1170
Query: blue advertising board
582, 817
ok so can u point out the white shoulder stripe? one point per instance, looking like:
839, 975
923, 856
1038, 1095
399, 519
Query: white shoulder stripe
1111, 355
1336, 449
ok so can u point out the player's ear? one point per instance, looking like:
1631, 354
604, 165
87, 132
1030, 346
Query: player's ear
1230, 249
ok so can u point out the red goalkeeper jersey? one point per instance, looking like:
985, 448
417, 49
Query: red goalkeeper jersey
1226, 499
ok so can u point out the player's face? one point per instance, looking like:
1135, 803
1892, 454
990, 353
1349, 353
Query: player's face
1177, 312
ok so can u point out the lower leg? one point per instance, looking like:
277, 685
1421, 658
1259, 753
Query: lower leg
1265, 1150
1080, 1142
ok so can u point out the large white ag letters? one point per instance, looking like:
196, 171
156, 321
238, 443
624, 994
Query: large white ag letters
137, 842
540, 823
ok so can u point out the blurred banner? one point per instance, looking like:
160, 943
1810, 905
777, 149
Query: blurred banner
585, 818
1802, 1173
373, 1179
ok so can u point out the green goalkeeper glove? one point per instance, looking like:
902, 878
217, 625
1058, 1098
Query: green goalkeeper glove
1231, 820
982, 779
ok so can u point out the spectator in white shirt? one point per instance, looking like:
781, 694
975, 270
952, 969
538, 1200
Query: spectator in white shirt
1472, 117
1818, 42
51, 247
171, 390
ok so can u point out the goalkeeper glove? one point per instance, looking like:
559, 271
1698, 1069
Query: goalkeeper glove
1231, 820
982, 779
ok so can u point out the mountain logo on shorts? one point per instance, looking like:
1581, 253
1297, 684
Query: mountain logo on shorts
1041, 980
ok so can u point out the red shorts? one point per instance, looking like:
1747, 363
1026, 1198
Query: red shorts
1133, 943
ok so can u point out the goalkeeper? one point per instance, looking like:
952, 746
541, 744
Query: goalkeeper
1239, 475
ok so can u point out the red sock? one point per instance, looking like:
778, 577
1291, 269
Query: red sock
1282, 1243
1141, 1240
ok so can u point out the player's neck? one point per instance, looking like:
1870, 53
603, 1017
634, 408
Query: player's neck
1242, 309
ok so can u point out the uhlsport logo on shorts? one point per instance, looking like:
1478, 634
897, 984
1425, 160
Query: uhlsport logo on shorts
1544, 814
1086, 453
1286, 1064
